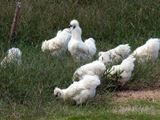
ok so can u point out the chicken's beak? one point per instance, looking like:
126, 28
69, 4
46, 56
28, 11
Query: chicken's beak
56, 95
70, 26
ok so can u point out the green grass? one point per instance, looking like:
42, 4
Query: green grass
26, 91
133, 110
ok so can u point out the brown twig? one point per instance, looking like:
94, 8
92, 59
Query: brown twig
15, 20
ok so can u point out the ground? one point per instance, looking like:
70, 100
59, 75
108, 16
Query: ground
26, 92
122, 105
148, 95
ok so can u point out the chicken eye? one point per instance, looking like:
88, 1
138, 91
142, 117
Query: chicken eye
70, 26
74, 27
110, 57
59, 94
102, 58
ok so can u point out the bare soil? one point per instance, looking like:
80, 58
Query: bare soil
150, 95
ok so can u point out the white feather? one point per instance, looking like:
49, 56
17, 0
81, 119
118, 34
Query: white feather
90, 43
79, 91
13, 56
125, 69
80, 50
116, 54
93, 68
58, 44
149, 51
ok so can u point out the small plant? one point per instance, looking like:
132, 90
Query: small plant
115, 79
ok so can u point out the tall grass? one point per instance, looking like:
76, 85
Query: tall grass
110, 22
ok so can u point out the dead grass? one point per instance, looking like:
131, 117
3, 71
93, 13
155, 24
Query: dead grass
149, 95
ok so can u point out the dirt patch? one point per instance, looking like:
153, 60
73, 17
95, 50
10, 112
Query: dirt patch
150, 95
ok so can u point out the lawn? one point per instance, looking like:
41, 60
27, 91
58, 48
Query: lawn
101, 110
26, 91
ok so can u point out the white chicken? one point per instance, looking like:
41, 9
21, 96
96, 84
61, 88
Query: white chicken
124, 69
58, 44
149, 51
79, 91
116, 54
93, 68
13, 56
80, 50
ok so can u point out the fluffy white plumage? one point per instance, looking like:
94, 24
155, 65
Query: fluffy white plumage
79, 91
93, 68
149, 51
124, 69
116, 54
58, 44
13, 56
80, 50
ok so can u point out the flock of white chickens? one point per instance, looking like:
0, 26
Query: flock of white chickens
87, 77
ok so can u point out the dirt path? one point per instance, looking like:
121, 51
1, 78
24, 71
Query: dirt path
150, 95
